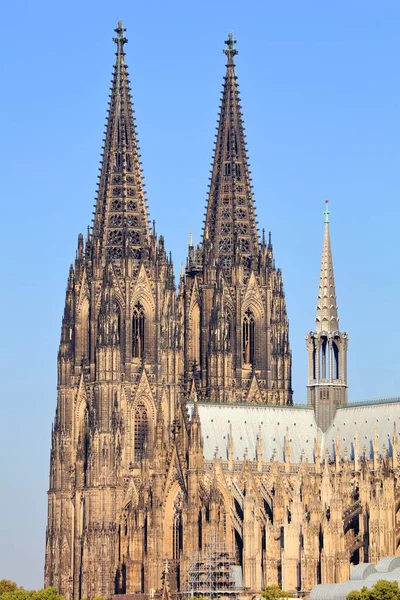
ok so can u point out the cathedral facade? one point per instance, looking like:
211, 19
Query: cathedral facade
174, 417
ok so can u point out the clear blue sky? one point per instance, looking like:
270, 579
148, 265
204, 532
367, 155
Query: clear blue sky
320, 90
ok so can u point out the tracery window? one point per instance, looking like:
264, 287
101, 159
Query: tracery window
195, 334
138, 322
248, 337
225, 228
116, 205
115, 252
225, 244
134, 237
115, 220
241, 214
244, 245
132, 221
117, 160
115, 237
141, 431
226, 262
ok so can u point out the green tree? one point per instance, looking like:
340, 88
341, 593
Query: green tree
382, 590
49, 593
17, 594
12, 592
7, 586
273, 592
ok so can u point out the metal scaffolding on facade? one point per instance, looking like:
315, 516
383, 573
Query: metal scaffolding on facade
213, 572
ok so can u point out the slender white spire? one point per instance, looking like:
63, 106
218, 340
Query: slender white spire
327, 318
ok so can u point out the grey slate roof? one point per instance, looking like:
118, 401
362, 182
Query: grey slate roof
367, 418
247, 421
362, 575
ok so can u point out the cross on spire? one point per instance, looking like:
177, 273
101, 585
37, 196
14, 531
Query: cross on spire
230, 229
231, 50
326, 211
120, 221
120, 40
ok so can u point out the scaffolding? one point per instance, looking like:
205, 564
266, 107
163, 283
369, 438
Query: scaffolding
213, 573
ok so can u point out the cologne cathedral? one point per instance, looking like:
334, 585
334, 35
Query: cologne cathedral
175, 422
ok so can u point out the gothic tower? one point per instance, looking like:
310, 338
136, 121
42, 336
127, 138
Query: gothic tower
327, 346
236, 325
117, 364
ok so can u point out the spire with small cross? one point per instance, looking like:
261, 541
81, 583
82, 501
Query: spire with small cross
230, 228
121, 225
327, 318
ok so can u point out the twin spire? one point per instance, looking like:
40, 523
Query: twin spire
121, 225
230, 229
327, 318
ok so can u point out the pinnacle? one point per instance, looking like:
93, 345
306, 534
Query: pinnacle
327, 318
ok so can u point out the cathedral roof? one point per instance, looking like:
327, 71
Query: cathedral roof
375, 421
368, 420
245, 423
121, 221
230, 226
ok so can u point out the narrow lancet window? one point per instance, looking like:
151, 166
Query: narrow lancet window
138, 323
141, 431
248, 337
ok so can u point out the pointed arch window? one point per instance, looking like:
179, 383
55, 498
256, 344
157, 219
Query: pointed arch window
138, 323
118, 314
195, 334
335, 360
141, 431
227, 330
248, 337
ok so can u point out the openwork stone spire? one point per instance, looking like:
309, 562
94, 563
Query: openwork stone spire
230, 226
327, 346
327, 311
121, 222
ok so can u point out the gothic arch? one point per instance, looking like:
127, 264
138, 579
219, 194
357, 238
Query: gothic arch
172, 521
82, 329
139, 337
142, 323
194, 328
141, 411
251, 333
141, 431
